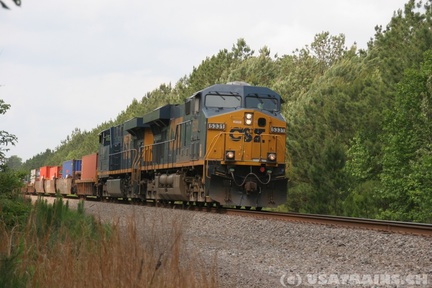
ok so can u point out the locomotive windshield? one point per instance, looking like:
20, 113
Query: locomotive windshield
222, 101
262, 102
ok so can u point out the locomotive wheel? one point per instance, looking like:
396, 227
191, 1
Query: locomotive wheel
210, 205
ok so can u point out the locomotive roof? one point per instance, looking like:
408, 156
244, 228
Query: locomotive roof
240, 88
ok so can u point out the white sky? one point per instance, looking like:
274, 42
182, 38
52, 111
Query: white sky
67, 64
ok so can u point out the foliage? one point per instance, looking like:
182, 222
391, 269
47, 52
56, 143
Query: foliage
320, 122
17, 3
48, 224
362, 200
374, 155
402, 43
5, 138
14, 162
215, 69
14, 210
408, 155
50, 219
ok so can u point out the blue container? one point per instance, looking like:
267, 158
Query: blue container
70, 168
78, 165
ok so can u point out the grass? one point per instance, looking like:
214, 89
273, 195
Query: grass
60, 247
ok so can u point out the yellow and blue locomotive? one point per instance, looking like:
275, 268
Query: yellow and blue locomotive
224, 145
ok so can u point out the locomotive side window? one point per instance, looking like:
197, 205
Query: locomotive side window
197, 104
193, 104
262, 102
222, 101
105, 138
188, 107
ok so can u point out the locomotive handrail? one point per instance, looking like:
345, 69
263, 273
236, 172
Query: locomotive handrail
146, 153
150, 147
212, 144
135, 165
121, 152
206, 156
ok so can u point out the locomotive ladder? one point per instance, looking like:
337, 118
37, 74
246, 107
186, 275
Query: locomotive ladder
136, 171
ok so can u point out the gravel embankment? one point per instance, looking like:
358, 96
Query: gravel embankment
251, 252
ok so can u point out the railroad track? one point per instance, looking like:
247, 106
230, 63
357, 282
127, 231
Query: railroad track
337, 221
363, 223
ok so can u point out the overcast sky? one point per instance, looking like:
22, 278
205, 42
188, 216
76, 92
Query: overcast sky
75, 64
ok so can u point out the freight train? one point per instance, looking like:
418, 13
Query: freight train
225, 145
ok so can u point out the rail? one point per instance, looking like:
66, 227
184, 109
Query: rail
373, 224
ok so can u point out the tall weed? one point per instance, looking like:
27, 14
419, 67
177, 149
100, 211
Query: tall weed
60, 247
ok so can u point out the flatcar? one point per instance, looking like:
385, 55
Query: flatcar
225, 145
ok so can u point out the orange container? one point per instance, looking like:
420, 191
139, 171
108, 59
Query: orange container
55, 172
89, 167
44, 172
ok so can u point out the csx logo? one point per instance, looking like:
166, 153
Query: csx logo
237, 133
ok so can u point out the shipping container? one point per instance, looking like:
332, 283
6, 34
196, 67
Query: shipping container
55, 172
32, 176
70, 168
44, 172
89, 167
78, 165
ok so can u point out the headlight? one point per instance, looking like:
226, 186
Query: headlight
248, 118
271, 157
229, 155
